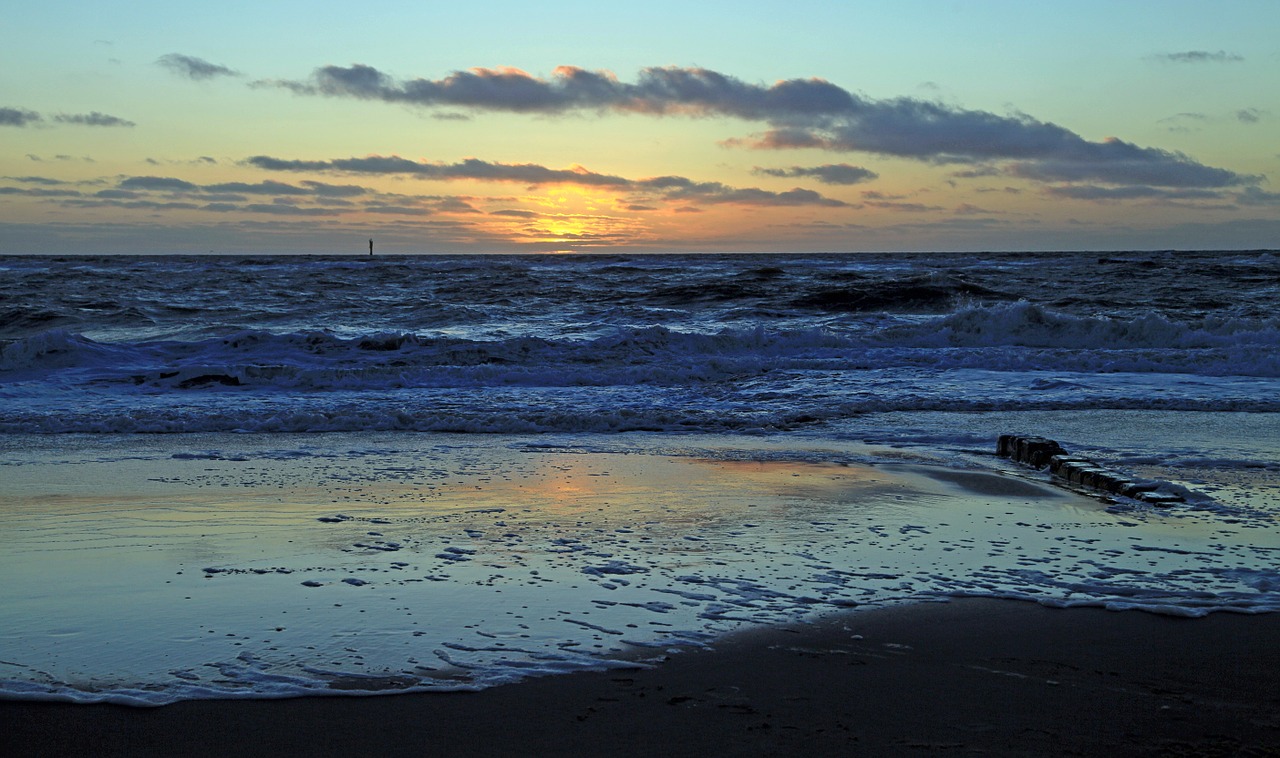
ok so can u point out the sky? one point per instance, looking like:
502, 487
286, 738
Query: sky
808, 125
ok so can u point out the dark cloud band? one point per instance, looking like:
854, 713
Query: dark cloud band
800, 113
18, 117
23, 117
832, 173
195, 68
669, 187
93, 118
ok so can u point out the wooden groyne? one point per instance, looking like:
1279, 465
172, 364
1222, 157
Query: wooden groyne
1041, 453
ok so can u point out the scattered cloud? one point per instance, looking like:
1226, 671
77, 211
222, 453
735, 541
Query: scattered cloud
60, 157
878, 195
977, 172
1187, 116
1249, 115
801, 113
471, 168
831, 173
39, 192
1200, 56
163, 183
194, 68
260, 188
22, 117
43, 180
18, 117
285, 209
667, 187
92, 118
1114, 161
1257, 196
893, 205
302, 199
397, 210
1136, 192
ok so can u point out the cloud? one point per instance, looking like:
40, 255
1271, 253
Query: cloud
878, 195
1117, 162
831, 173
903, 207
471, 168
194, 68
670, 187
302, 199
22, 117
1137, 192
92, 118
118, 194
335, 190
284, 209
715, 193
1257, 196
666, 90
1249, 115
978, 172
681, 188
261, 188
162, 183
18, 117
800, 113
1200, 56
37, 180
39, 192
397, 210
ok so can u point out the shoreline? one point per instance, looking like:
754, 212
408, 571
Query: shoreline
1000, 677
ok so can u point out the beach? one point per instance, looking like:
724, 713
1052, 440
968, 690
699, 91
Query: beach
145, 571
966, 677
638, 505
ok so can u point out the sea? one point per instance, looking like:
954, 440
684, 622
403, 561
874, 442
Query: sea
279, 476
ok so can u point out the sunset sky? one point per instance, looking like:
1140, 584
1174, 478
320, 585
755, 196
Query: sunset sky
309, 127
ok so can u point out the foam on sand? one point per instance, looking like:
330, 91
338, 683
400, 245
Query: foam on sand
146, 570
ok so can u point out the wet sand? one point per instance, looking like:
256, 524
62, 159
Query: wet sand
967, 677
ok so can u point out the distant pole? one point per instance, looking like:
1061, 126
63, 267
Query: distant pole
370, 246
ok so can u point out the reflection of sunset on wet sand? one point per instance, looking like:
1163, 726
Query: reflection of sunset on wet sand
448, 564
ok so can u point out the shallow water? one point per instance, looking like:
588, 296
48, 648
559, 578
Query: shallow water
146, 570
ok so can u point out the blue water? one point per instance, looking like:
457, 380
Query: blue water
718, 343
284, 476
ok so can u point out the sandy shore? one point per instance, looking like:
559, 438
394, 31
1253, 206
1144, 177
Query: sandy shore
971, 676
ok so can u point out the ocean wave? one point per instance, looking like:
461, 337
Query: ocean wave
1024, 324
929, 293
1006, 337
606, 410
